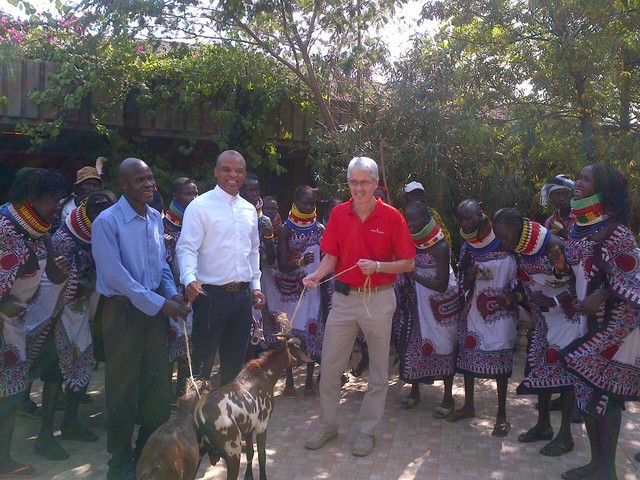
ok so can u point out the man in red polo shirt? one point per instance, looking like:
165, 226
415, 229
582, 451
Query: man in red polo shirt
369, 234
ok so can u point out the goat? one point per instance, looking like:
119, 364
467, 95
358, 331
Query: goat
172, 451
244, 406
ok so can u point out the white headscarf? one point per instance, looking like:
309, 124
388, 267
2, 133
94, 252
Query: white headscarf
561, 181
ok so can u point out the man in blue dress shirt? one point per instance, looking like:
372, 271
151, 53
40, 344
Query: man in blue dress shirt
138, 293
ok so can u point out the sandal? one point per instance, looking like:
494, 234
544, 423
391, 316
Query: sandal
556, 448
79, 433
23, 471
501, 429
407, 403
442, 412
534, 434
290, 392
309, 392
459, 415
52, 451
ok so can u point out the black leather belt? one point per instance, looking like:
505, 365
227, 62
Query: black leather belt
233, 286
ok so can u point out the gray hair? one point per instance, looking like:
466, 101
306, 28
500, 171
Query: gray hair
364, 164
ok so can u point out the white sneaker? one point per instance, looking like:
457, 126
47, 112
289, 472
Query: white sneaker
319, 439
363, 445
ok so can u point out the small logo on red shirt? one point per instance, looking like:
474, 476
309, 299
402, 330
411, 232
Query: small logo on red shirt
375, 230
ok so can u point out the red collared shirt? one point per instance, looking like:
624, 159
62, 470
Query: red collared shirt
383, 236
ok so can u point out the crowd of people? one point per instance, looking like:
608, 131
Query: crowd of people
145, 288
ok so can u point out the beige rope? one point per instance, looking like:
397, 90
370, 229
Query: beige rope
186, 341
365, 299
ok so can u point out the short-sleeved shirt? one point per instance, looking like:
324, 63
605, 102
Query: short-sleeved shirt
383, 236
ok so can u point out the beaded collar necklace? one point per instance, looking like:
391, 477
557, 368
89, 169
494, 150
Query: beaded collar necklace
26, 218
532, 239
585, 232
588, 211
481, 237
301, 222
276, 222
175, 213
79, 224
428, 236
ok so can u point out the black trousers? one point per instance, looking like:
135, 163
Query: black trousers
137, 384
221, 319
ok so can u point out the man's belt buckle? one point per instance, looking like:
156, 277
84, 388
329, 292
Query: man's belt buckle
364, 289
233, 287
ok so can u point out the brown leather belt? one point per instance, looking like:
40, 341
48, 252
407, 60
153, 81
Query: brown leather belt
379, 288
233, 286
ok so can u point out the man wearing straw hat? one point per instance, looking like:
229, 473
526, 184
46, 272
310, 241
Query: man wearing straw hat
366, 243
88, 181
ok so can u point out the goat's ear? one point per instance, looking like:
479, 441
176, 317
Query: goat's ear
283, 336
207, 385
294, 341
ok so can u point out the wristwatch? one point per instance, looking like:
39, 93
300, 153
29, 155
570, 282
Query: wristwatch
377, 267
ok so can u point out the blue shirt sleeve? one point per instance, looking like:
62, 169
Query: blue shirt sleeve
113, 277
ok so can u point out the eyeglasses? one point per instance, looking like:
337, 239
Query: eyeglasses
360, 183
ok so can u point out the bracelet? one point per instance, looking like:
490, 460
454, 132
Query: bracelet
268, 237
555, 299
299, 262
518, 297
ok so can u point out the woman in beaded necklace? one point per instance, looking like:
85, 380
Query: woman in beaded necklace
25, 253
298, 254
426, 320
270, 325
605, 259
59, 335
557, 324
488, 332
184, 190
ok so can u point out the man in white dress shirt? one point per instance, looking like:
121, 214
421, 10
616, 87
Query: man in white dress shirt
218, 251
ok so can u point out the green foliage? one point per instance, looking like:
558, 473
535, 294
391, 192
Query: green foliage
508, 94
241, 89
330, 46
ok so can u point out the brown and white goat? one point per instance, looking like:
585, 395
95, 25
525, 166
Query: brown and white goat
172, 451
243, 407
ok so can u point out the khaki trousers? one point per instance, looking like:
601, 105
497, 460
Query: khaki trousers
373, 314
